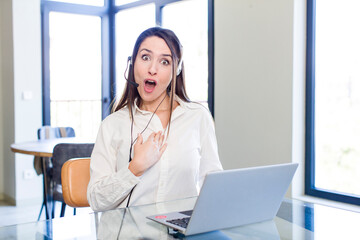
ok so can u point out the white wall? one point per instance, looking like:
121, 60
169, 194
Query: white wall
299, 76
27, 78
253, 81
260, 48
1, 111
20, 72
7, 101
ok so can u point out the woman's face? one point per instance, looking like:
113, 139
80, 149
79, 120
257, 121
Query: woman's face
153, 69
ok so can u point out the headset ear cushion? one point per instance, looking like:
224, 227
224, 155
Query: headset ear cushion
179, 68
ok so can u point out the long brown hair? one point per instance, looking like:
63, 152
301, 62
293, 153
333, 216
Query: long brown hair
177, 84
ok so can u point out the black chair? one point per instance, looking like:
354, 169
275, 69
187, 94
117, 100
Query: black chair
48, 132
63, 152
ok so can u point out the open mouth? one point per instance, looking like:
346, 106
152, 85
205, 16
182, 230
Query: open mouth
150, 85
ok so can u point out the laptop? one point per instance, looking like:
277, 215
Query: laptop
233, 198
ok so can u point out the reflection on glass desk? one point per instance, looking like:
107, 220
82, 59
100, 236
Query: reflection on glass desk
295, 220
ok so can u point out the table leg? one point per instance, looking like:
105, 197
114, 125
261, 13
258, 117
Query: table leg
45, 187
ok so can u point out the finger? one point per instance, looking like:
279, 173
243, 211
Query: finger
156, 140
157, 137
139, 139
150, 138
162, 149
161, 140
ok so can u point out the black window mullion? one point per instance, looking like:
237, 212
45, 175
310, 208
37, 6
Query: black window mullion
107, 71
75, 8
211, 64
112, 52
310, 100
133, 4
45, 67
158, 14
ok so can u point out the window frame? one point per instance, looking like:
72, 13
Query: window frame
310, 188
107, 14
51, 6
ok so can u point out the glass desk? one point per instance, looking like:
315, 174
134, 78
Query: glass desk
295, 220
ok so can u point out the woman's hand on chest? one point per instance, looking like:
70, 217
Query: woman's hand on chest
147, 153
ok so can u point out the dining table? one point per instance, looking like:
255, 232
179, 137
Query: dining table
44, 148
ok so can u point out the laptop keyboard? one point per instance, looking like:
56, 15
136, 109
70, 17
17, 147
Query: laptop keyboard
181, 222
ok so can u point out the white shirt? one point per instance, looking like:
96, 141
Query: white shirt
191, 153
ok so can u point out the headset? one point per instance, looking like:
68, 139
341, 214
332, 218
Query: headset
129, 64
179, 67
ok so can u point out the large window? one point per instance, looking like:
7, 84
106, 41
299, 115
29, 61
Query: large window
75, 72
193, 32
85, 48
333, 100
128, 28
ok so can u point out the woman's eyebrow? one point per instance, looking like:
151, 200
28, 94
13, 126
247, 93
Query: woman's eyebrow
149, 51
145, 49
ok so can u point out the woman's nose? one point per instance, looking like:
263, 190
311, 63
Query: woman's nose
153, 68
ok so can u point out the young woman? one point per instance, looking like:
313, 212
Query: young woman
156, 145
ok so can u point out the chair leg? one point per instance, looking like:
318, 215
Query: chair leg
53, 209
62, 213
74, 211
42, 206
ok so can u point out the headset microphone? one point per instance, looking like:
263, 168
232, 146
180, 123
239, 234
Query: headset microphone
131, 82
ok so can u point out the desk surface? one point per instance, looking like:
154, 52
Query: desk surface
295, 220
43, 148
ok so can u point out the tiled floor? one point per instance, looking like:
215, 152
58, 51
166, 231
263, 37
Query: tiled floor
10, 215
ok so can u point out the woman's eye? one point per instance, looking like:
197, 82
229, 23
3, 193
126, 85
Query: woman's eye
165, 62
145, 57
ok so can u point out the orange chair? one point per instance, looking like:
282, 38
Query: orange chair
75, 177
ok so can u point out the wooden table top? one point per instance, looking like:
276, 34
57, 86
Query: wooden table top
43, 148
